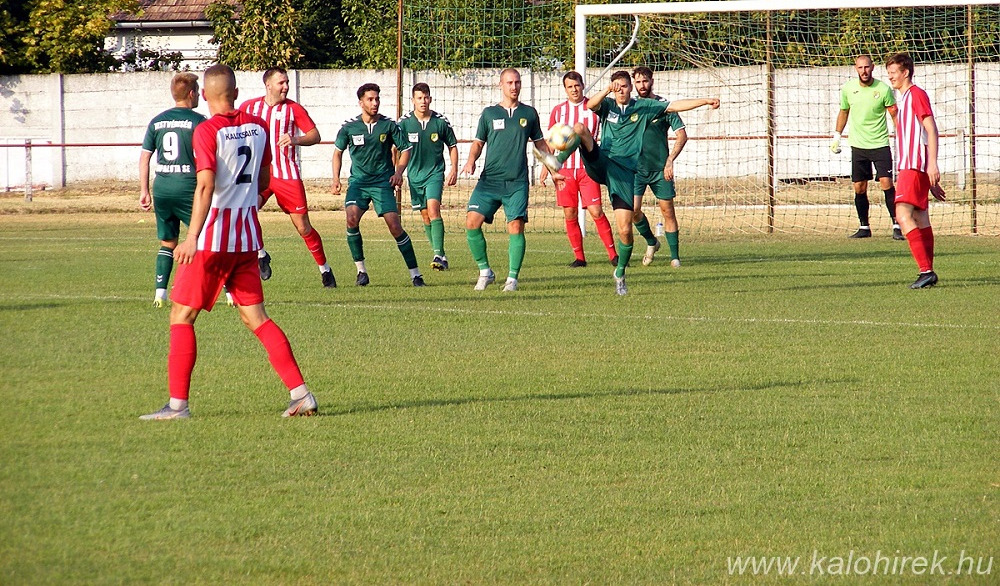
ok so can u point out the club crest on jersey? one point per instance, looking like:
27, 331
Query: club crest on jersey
876, 95
413, 137
499, 124
358, 139
523, 122
434, 137
381, 137
633, 117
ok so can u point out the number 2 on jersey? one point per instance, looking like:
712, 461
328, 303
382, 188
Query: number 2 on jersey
241, 177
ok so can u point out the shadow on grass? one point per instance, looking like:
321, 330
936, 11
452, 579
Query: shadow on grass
632, 392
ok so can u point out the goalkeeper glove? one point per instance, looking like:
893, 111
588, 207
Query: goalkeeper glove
835, 145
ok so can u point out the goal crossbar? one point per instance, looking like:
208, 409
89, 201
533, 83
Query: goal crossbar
585, 10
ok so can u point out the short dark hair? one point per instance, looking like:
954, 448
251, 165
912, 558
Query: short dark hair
643, 71
368, 87
273, 71
422, 88
903, 60
574, 76
623, 75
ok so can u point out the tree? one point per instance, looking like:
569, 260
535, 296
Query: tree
13, 28
323, 34
256, 34
67, 36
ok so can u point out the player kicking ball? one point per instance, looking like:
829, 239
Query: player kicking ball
624, 121
232, 156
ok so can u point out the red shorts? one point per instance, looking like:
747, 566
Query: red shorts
289, 193
199, 283
577, 181
912, 187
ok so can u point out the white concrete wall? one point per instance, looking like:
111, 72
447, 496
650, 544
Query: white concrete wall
114, 109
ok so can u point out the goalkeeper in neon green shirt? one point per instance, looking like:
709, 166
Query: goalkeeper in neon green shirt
864, 103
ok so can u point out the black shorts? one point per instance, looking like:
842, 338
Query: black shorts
863, 159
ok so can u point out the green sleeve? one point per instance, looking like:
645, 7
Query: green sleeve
342, 139
149, 142
844, 104
483, 130
399, 138
449, 134
535, 132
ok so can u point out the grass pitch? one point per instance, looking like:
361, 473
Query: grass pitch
776, 396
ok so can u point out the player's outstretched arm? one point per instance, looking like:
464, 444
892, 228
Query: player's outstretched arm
595, 101
692, 103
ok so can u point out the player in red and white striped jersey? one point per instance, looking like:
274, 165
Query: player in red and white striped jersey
232, 156
916, 164
289, 126
579, 189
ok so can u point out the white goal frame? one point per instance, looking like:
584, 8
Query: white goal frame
583, 11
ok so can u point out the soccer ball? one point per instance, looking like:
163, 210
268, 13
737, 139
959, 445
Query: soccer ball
559, 136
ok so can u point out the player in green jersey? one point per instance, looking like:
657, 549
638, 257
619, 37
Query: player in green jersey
371, 138
429, 133
169, 136
506, 128
656, 171
614, 163
864, 102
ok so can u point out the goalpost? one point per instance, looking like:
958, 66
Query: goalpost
762, 161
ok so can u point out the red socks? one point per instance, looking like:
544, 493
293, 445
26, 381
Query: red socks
180, 360
315, 245
604, 231
922, 247
279, 352
575, 237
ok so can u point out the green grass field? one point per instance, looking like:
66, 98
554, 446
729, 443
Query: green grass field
776, 396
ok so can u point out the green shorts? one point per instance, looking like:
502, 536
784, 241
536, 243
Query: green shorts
384, 198
619, 180
420, 193
662, 188
170, 212
488, 196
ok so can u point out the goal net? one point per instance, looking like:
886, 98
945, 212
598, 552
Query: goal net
760, 163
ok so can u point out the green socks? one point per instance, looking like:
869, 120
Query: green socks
477, 246
164, 264
515, 251
437, 236
405, 246
356, 244
429, 233
672, 243
624, 255
643, 228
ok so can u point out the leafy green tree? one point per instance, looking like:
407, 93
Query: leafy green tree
256, 34
67, 36
323, 34
13, 27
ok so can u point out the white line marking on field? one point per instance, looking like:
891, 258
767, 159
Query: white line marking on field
523, 313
